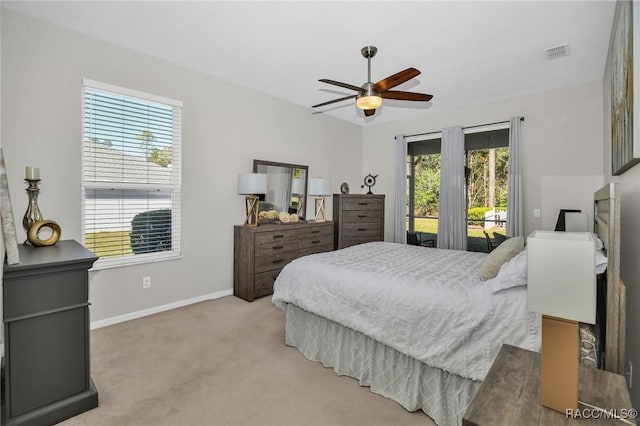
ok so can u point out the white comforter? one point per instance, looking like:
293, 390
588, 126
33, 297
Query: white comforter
426, 303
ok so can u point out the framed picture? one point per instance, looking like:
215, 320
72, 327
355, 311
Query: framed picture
623, 52
6, 216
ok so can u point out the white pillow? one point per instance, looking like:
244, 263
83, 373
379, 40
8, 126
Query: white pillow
499, 256
599, 243
511, 274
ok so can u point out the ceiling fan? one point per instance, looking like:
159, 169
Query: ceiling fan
370, 95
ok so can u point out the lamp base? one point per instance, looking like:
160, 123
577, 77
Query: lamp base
252, 211
559, 368
320, 210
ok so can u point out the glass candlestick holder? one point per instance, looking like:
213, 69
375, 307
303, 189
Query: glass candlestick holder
33, 211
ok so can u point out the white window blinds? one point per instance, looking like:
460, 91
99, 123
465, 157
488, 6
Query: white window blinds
131, 175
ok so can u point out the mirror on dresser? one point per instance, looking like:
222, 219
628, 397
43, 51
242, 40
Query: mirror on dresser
286, 186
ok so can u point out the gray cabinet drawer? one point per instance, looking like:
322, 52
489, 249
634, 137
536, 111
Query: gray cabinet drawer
274, 261
53, 290
362, 203
362, 216
315, 232
318, 240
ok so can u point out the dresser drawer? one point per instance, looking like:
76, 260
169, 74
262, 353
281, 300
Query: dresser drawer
362, 203
352, 241
316, 249
315, 241
315, 232
264, 282
274, 261
275, 247
275, 236
362, 216
361, 230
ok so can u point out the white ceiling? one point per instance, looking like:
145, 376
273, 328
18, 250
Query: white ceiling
468, 52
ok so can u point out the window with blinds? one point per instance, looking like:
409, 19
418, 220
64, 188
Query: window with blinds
131, 175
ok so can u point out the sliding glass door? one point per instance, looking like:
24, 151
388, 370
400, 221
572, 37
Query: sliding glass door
486, 171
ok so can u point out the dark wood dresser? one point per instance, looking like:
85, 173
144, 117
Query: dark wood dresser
359, 218
259, 253
46, 329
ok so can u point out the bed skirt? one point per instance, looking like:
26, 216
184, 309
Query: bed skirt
442, 396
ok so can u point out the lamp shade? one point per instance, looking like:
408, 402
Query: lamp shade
319, 186
561, 276
252, 183
297, 186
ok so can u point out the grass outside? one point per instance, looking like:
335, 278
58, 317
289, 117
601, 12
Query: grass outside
431, 226
109, 244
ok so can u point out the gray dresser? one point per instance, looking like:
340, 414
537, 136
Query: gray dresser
259, 253
46, 330
359, 218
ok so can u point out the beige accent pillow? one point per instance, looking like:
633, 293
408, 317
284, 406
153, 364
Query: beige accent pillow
502, 254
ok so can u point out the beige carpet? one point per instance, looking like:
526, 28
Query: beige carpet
223, 362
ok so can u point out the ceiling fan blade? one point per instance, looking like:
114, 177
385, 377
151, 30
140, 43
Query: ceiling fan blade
406, 96
334, 100
337, 83
396, 79
369, 112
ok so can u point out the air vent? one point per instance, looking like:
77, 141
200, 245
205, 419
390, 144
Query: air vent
557, 52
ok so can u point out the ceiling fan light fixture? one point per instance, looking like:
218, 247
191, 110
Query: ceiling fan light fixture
368, 98
369, 102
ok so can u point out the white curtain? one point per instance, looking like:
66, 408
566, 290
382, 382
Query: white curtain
400, 228
515, 201
452, 223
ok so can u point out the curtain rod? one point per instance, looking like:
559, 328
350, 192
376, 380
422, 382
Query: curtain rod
468, 127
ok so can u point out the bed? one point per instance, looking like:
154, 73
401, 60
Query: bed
417, 324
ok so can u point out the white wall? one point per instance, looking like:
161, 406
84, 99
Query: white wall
561, 148
224, 128
629, 183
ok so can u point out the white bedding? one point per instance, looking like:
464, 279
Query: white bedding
426, 303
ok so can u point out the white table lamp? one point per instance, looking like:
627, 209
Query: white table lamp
319, 187
250, 184
561, 285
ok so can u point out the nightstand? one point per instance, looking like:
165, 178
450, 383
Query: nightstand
510, 394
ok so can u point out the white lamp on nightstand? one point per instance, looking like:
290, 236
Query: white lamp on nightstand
319, 187
561, 285
251, 184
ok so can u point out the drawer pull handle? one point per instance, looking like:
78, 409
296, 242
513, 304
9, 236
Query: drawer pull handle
315, 241
275, 262
362, 216
315, 232
278, 236
362, 229
277, 247
362, 204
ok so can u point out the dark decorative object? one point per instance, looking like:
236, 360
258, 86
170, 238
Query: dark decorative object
625, 142
151, 231
34, 237
369, 181
32, 214
344, 188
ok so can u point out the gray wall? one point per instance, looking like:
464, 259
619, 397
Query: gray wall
629, 183
561, 148
224, 128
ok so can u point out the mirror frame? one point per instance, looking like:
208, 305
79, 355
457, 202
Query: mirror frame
257, 163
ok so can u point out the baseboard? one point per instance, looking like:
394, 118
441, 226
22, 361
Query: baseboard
157, 309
